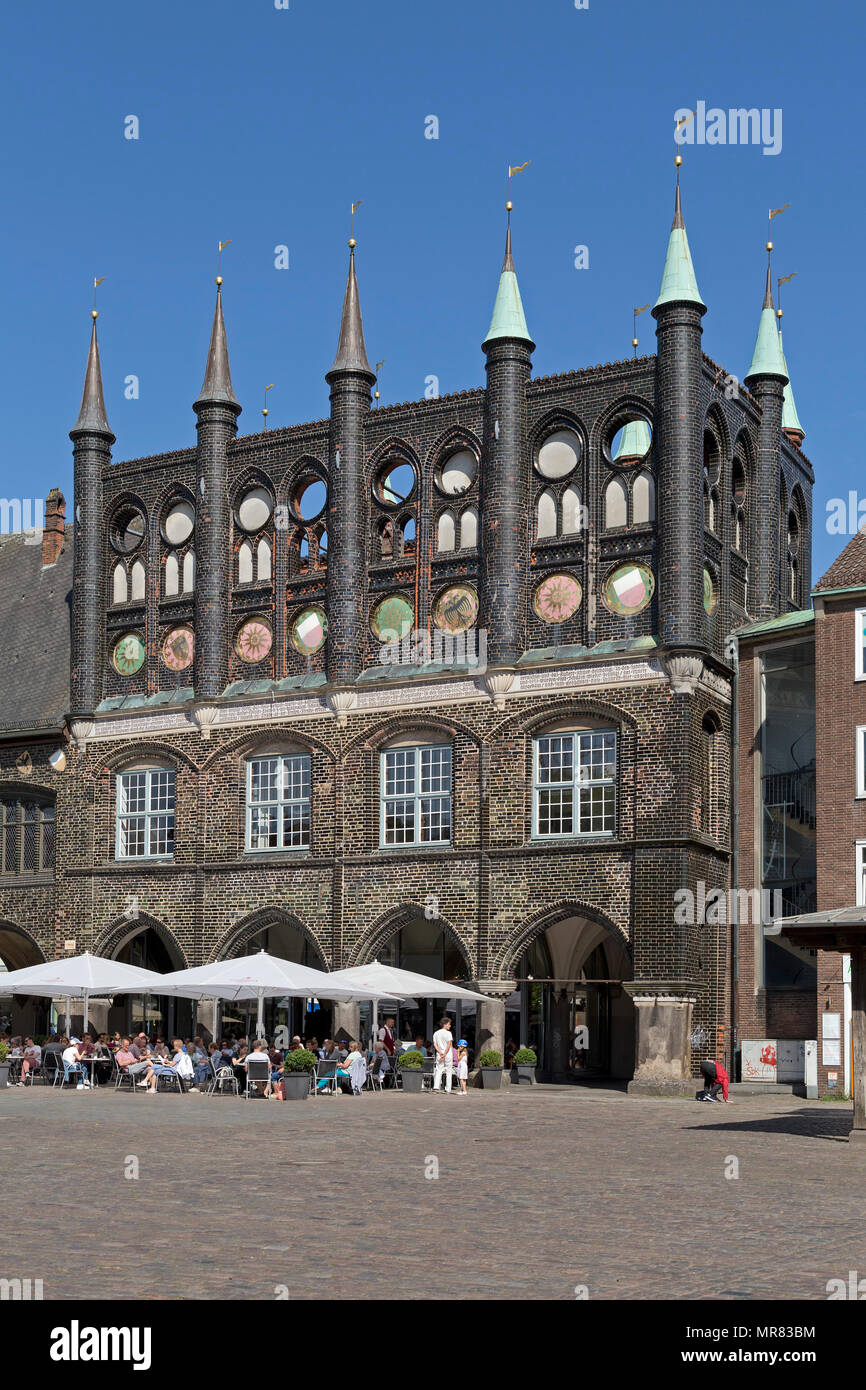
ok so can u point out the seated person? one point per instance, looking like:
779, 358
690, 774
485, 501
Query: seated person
354, 1068
31, 1059
419, 1047
259, 1051
180, 1064
141, 1051
72, 1066
124, 1056
380, 1064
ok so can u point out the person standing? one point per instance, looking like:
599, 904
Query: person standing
386, 1036
715, 1079
443, 1043
462, 1064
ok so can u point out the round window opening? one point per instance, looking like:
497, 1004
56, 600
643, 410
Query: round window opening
311, 496
559, 455
179, 523
395, 483
631, 442
458, 473
128, 530
254, 509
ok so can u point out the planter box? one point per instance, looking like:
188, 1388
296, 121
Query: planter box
491, 1078
522, 1075
296, 1084
413, 1079
4, 1075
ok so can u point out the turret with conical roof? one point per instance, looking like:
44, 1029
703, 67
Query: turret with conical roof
351, 379
791, 427
766, 380
217, 411
505, 543
92, 440
678, 312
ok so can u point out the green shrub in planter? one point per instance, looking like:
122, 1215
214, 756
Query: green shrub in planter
525, 1057
302, 1060
413, 1059
4, 1064
490, 1059
523, 1067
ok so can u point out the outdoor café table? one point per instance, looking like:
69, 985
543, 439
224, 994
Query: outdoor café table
91, 1062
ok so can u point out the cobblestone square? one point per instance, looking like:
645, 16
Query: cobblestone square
539, 1191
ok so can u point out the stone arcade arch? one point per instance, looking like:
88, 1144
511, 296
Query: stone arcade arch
148, 943
280, 933
18, 949
570, 1005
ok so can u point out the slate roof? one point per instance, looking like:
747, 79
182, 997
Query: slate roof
35, 610
848, 571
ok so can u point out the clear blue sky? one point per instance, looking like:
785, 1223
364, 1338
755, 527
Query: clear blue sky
262, 125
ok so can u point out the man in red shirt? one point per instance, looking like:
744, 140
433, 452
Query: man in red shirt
715, 1079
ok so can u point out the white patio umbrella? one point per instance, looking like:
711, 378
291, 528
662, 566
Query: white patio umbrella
259, 976
392, 983
81, 976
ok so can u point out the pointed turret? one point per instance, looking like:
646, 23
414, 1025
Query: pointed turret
679, 284
217, 385
350, 379
790, 419
92, 418
351, 352
766, 380
768, 358
92, 440
509, 320
217, 410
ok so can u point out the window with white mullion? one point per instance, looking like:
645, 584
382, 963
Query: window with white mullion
860, 644
278, 802
574, 784
861, 760
416, 796
861, 873
145, 814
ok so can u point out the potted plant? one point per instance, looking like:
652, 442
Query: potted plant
297, 1067
4, 1065
490, 1063
523, 1067
410, 1064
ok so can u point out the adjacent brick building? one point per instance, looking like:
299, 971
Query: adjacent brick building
513, 797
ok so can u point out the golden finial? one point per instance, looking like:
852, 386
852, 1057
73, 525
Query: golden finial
221, 246
678, 126
265, 410
218, 280
379, 366
96, 283
509, 206
641, 309
352, 242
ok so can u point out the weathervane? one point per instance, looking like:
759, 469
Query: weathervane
96, 283
221, 246
635, 313
265, 408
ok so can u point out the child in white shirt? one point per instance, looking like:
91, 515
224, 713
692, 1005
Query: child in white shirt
462, 1064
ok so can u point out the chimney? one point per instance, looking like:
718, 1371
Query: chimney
54, 530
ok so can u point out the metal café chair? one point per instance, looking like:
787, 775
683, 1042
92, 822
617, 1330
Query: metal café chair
258, 1071
326, 1070
52, 1068
375, 1076
223, 1075
121, 1077
427, 1073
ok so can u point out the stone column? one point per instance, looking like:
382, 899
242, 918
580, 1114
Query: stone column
490, 1018
663, 1025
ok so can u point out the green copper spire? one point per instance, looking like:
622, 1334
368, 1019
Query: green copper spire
509, 320
678, 280
790, 418
768, 358
634, 441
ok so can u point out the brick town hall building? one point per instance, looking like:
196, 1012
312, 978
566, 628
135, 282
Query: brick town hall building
203, 750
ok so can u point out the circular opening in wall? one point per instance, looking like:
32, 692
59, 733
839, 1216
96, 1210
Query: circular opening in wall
631, 442
395, 483
128, 529
559, 455
310, 497
179, 523
254, 509
457, 473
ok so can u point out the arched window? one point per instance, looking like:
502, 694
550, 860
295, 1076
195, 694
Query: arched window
643, 500
415, 793
445, 536
27, 844
546, 515
304, 553
615, 504
709, 773
263, 559
189, 572
793, 557
138, 582
739, 504
278, 800
172, 579
571, 512
118, 583
245, 563
408, 537
145, 812
469, 529
574, 783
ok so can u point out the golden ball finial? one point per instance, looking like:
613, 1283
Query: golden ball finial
678, 159
769, 246
509, 206
778, 313
352, 243
377, 394
94, 314
634, 342
219, 280
265, 413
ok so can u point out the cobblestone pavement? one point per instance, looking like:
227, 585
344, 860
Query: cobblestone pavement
538, 1191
